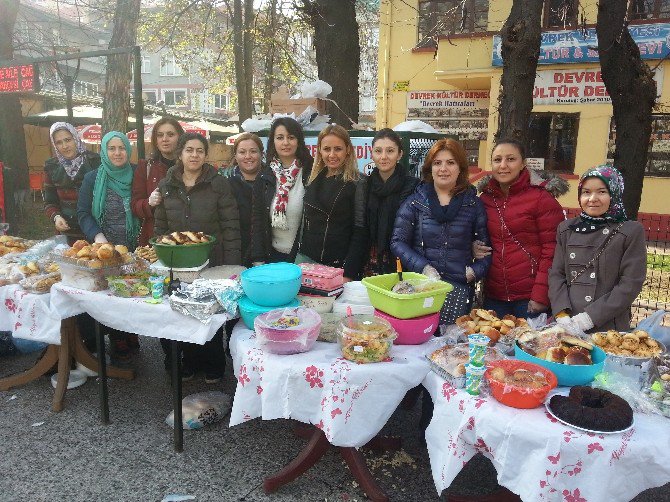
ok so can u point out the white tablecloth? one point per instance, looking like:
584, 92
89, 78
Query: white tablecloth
350, 402
28, 315
539, 458
134, 315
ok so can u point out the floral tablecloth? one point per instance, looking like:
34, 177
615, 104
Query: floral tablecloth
28, 315
134, 315
538, 457
350, 402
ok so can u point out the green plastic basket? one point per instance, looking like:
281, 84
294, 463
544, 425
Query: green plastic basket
405, 306
183, 256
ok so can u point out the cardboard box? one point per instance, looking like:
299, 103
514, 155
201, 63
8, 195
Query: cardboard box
281, 102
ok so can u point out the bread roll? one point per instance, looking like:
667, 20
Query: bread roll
121, 249
79, 244
105, 252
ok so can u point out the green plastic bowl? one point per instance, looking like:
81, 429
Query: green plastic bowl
180, 256
405, 306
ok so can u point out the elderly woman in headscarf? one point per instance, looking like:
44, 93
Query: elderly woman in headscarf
600, 263
63, 176
105, 215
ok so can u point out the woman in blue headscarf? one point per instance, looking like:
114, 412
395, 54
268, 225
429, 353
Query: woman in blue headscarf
103, 208
104, 212
600, 263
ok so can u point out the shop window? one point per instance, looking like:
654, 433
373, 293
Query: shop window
552, 140
149, 96
560, 14
174, 98
658, 153
650, 9
450, 17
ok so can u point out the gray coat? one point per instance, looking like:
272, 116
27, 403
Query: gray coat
607, 289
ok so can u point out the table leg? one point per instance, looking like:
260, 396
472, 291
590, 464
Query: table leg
359, 469
176, 396
64, 360
384, 443
102, 373
318, 445
44, 364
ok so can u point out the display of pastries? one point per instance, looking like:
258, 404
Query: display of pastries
635, 344
487, 323
146, 253
10, 244
519, 378
557, 346
97, 255
40, 283
592, 409
182, 238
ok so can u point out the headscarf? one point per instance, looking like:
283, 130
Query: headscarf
71, 166
118, 179
616, 213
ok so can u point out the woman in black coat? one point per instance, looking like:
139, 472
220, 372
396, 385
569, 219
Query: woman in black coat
277, 199
389, 185
334, 224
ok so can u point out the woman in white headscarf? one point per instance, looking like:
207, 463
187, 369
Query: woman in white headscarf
63, 175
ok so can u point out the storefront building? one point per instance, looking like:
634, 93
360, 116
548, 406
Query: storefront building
444, 68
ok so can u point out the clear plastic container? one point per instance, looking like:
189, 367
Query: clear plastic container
287, 330
365, 338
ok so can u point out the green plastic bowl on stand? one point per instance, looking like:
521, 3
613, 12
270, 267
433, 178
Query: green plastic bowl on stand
183, 256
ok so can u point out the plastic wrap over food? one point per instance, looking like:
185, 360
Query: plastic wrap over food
40, 283
628, 388
287, 330
43, 248
657, 386
452, 334
196, 300
202, 409
415, 286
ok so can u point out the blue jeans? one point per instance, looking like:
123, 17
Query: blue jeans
517, 308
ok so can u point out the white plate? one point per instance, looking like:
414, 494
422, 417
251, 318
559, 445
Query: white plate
565, 392
76, 379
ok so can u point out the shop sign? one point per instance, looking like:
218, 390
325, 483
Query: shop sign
535, 163
581, 46
21, 78
462, 113
401, 85
582, 86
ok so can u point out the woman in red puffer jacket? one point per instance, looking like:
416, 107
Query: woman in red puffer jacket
523, 215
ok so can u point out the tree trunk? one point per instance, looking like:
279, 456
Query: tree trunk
520, 52
268, 83
12, 137
631, 86
117, 81
241, 39
338, 54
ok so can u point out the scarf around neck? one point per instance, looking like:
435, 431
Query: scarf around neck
117, 179
444, 214
383, 204
616, 213
286, 177
71, 166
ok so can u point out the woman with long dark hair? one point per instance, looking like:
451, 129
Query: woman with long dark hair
278, 194
145, 196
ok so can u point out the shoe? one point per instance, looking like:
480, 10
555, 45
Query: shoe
213, 377
187, 374
134, 343
120, 349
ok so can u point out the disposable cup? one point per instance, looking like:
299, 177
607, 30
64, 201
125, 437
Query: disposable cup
157, 282
473, 378
477, 345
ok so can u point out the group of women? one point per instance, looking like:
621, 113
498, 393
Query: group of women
284, 205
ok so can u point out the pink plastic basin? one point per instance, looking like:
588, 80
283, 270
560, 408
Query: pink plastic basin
290, 340
412, 331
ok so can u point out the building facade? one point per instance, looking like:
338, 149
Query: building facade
439, 61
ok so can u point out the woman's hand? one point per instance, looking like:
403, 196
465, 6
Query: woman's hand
480, 250
155, 198
61, 224
430, 272
100, 238
535, 307
470, 274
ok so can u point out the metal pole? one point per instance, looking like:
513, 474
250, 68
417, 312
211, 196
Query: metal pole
102, 373
176, 397
65, 57
139, 104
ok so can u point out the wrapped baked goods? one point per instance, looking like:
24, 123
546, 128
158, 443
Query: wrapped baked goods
40, 283
487, 323
554, 344
449, 362
130, 285
637, 344
658, 385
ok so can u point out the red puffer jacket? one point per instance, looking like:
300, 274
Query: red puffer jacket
147, 176
522, 228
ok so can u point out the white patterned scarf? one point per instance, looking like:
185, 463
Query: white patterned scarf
286, 177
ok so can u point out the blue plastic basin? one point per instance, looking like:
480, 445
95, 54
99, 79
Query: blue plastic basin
272, 285
249, 310
566, 374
